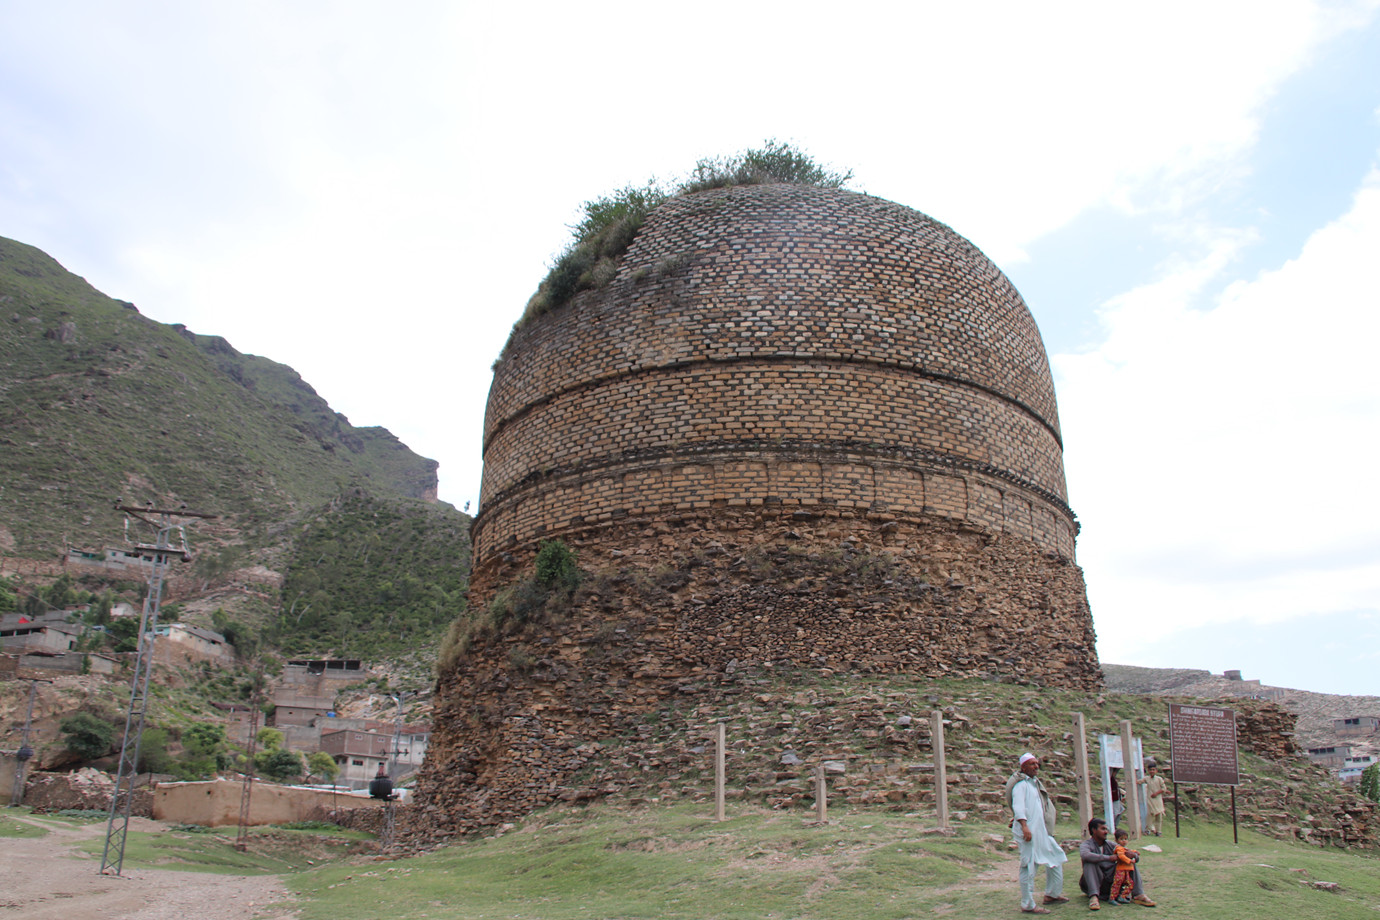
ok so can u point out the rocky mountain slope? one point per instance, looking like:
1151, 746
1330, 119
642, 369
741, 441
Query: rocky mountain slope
99, 403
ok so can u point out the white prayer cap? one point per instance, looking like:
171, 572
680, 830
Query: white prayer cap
1025, 757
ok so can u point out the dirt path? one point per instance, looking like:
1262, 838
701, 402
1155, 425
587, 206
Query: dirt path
47, 878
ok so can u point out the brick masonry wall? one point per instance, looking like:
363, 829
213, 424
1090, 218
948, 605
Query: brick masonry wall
673, 606
802, 428
779, 344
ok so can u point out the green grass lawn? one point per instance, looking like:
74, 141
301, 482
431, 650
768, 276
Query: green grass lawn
271, 850
9, 827
676, 863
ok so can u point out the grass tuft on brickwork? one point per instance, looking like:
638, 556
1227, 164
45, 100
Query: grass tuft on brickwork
611, 222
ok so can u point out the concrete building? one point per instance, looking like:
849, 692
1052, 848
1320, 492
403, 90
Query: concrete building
360, 753
191, 643
48, 632
1332, 756
1356, 726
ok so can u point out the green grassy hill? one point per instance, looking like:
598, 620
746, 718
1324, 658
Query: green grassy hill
98, 403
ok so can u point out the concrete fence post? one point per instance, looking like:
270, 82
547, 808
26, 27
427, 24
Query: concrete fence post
821, 796
941, 775
719, 773
1080, 769
1130, 793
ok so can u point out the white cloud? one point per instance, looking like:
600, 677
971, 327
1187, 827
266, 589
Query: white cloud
1220, 458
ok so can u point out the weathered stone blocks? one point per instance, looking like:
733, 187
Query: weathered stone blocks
779, 383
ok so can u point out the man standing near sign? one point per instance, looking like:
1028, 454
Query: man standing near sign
1034, 818
1099, 867
1154, 796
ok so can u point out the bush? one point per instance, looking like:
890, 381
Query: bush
153, 751
124, 634
610, 223
556, 566
203, 739
87, 736
541, 596
323, 765
1370, 782
279, 765
270, 739
775, 162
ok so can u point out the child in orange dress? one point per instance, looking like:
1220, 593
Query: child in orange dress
1125, 865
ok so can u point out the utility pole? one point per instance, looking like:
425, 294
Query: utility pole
247, 790
394, 769
25, 753
160, 553
390, 805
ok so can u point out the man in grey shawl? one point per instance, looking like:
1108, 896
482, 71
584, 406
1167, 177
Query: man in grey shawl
1034, 819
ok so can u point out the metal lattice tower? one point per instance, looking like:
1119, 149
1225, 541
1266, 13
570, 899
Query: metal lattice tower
22, 756
160, 553
247, 790
390, 815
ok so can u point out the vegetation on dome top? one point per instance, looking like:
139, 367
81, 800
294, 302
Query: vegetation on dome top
611, 222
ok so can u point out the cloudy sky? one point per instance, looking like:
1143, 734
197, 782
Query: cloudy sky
1187, 194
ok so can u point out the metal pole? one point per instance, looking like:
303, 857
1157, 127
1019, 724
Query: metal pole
25, 752
160, 553
1176, 811
393, 771
1233, 815
247, 790
122, 801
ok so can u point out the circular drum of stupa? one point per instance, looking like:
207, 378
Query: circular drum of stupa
779, 347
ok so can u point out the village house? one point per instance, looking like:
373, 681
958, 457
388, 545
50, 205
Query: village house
116, 559
1356, 726
48, 632
194, 642
1354, 766
360, 753
1333, 756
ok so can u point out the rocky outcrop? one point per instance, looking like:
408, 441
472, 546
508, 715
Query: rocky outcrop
86, 790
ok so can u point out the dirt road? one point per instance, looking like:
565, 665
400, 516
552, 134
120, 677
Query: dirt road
47, 878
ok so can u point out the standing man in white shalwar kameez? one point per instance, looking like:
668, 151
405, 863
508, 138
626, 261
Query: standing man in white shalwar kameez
1031, 830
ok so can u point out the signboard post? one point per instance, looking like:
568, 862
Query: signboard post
1202, 750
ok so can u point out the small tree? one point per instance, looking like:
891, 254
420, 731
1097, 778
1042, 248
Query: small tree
1370, 782
87, 736
203, 739
270, 739
9, 599
280, 765
556, 567
124, 634
153, 751
323, 765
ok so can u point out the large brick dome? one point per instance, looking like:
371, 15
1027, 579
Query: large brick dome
798, 430
779, 345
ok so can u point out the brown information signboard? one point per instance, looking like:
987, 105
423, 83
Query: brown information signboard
1202, 745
